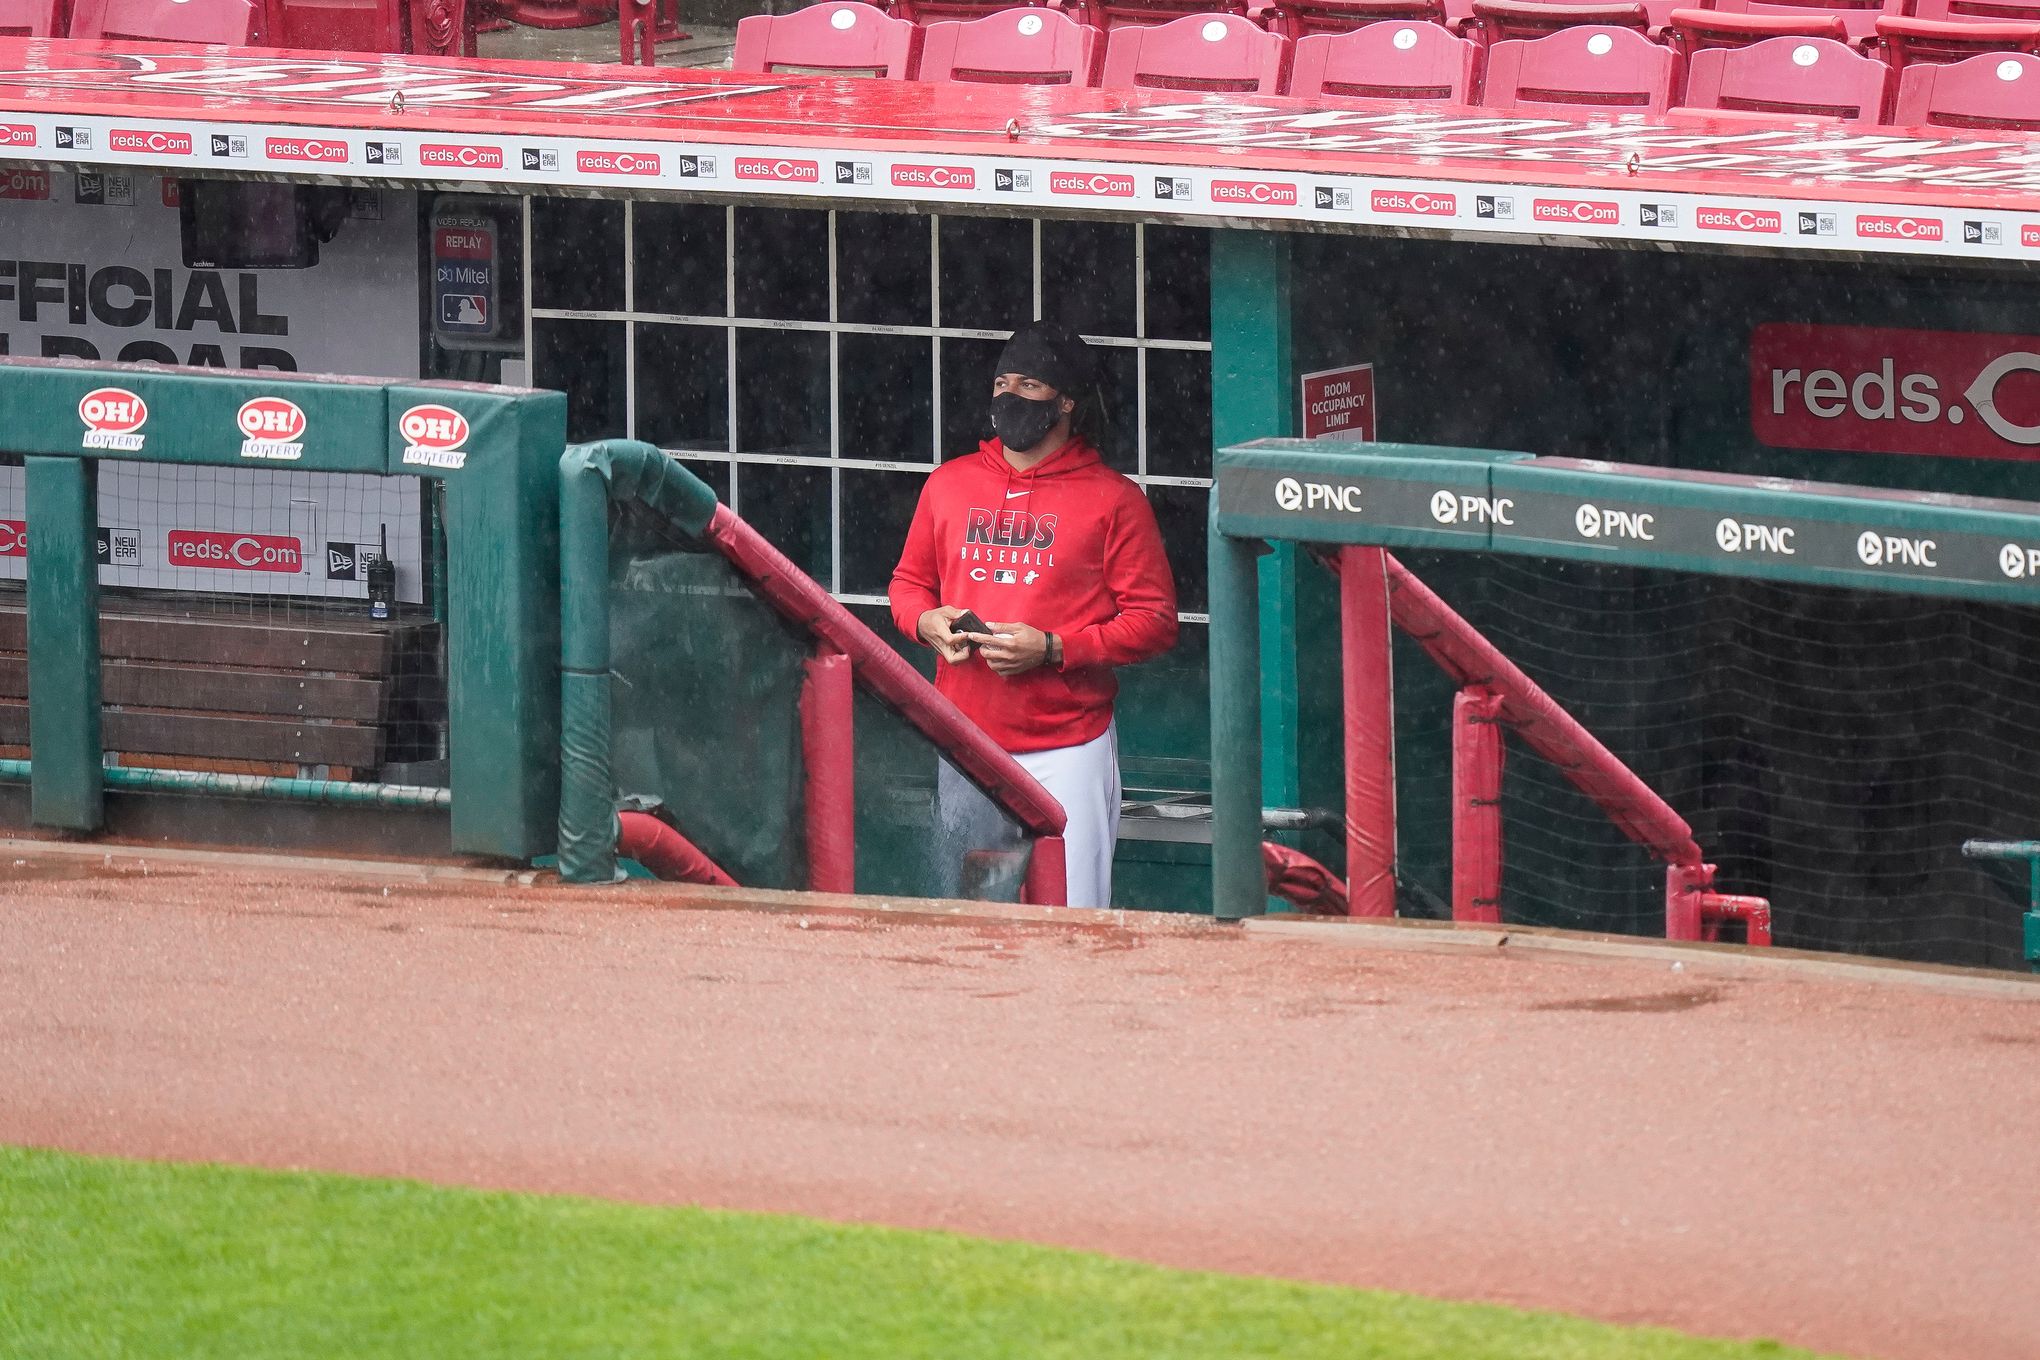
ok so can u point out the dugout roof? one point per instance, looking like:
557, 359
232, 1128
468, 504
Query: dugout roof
1152, 155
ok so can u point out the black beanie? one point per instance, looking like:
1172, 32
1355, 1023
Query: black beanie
1044, 350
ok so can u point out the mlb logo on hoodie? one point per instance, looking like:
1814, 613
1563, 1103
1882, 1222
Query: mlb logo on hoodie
1005, 578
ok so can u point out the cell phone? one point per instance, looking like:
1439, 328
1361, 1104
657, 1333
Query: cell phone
968, 622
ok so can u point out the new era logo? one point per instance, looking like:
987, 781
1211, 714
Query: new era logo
383, 153
1817, 224
1494, 206
1335, 200
1013, 181
1657, 215
1166, 187
1983, 233
853, 172
697, 167
225, 144
75, 138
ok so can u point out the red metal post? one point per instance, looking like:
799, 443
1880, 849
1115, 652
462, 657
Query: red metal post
1047, 874
1477, 754
1685, 884
1370, 732
829, 745
1753, 912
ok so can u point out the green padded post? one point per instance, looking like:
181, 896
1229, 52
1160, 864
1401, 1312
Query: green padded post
1254, 396
587, 824
1238, 883
66, 787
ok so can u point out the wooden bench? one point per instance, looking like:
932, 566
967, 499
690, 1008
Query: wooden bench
318, 694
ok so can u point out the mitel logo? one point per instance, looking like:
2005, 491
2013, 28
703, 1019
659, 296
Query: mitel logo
16, 134
1449, 507
1954, 393
1092, 186
112, 415
1268, 193
1291, 494
1739, 219
235, 552
1817, 223
2019, 563
13, 538
305, 149
1657, 215
1740, 536
1886, 550
697, 167
1983, 233
1007, 181
461, 156
1581, 211
227, 144
1424, 205
1329, 199
853, 172
433, 436
616, 163
545, 159
1497, 206
271, 428
1899, 228
74, 138
934, 177
1594, 522
1168, 187
155, 143
760, 167
382, 153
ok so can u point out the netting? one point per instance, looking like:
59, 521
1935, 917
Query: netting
705, 717
247, 623
1831, 748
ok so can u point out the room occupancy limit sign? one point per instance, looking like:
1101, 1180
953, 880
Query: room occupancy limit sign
1338, 403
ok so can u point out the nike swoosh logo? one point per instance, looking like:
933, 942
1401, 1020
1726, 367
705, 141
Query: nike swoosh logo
1013, 495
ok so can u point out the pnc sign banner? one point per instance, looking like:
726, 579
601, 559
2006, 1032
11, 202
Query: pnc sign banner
1952, 394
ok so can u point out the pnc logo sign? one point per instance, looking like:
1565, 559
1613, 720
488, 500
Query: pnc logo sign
1741, 536
2019, 563
433, 436
156, 143
1267, 193
1594, 522
235, 552
1957, 394
1740, 219
1405, 201
461, 157
761, 167
1450, 507
1093, 186
934, 177
616, 162
1899, 228
1886, 550
1293, 495
1584, 212
305, 149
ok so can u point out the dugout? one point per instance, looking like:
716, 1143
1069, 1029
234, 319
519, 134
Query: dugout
796, 284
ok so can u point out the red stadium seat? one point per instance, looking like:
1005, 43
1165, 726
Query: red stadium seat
1013, 47
1974, 11
2000, 90
334, 25
1209, 52
30, 19
1909, 41
1386, 61
1593, 67
554, 13
234, 22
1797, 77
1508, 20
1295, 19
1693, 30
1111, 14
837, 37
1858, 17
959, 11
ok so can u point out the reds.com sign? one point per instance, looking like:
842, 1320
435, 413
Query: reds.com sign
144, 139
1269, 193
934, 177
1955, 394
792, 171
1424, 205
320, 150
234, 552
460, 156
1585, 211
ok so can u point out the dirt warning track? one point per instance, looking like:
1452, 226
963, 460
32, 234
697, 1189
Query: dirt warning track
1842, 1165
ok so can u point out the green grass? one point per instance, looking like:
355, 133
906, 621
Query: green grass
109, 1259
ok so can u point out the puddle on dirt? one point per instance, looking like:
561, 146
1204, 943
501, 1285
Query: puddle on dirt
72, 871
1655, 1003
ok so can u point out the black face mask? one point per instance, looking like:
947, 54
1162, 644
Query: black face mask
1021, 422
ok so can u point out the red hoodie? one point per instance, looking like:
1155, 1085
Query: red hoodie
1070, 547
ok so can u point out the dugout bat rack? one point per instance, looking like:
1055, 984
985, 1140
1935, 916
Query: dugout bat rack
1354, 502
497, 450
